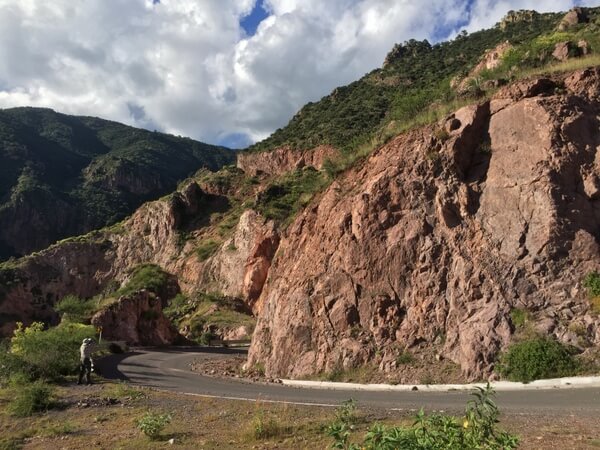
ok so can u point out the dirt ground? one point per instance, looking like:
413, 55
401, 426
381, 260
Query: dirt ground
417, 371
103, 416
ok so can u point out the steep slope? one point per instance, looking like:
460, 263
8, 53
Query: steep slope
63, 175
414, 75
441, 233
200, 234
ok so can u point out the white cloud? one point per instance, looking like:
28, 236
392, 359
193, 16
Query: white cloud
186, 66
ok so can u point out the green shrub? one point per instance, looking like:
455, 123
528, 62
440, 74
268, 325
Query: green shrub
49, 354
75, 309
152, 424
343, 424
12, 365
404, 358
178, 307
283, 198
477, 430
145, 276
206, 249
29, 399
206, 337
519, 317
267, 428
535, 359
592, 284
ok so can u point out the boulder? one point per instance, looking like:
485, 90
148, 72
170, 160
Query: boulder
573, 17
137, 319
561, 51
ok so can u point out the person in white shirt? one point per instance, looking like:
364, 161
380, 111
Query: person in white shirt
86, 363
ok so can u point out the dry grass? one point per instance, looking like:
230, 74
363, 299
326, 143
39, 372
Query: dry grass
562, 67
223, 424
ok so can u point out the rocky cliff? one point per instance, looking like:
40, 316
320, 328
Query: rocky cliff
166, 232
284, 159
440, 234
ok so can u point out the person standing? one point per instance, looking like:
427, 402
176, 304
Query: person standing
86, 363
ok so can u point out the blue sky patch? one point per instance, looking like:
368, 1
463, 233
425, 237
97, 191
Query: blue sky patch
251, 21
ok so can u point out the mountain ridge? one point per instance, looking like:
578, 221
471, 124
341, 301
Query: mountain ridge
63, 175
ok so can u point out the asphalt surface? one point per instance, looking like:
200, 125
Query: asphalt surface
169, 369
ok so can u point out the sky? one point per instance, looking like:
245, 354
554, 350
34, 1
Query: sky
226, 72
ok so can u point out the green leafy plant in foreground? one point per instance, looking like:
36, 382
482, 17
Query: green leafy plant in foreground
152, 424
478, 430
267, 428
343, 424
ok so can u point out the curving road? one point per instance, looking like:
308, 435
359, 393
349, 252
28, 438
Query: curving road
169, 369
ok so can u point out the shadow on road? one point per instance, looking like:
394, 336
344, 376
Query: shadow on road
108, 366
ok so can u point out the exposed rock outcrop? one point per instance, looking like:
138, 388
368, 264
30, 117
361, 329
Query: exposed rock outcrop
89, 265
573, 17
438, 236
523, 15
490, 61
137, 319
28, 291
561, 51
565, 50
239, 269
284, 160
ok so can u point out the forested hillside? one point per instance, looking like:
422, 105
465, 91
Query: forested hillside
62, 175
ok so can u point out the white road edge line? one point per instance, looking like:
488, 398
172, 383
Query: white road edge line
556, 383
246, 399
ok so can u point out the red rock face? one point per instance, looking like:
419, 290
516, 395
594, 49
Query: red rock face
434, 240
284, 160
136, 319
85, 267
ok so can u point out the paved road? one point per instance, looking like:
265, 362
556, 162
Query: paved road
168, 369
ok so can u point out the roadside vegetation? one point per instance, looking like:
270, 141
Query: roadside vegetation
116, 415
478, 428
535, 359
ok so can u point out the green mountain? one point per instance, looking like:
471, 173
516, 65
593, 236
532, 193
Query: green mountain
63, 175
417, 75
